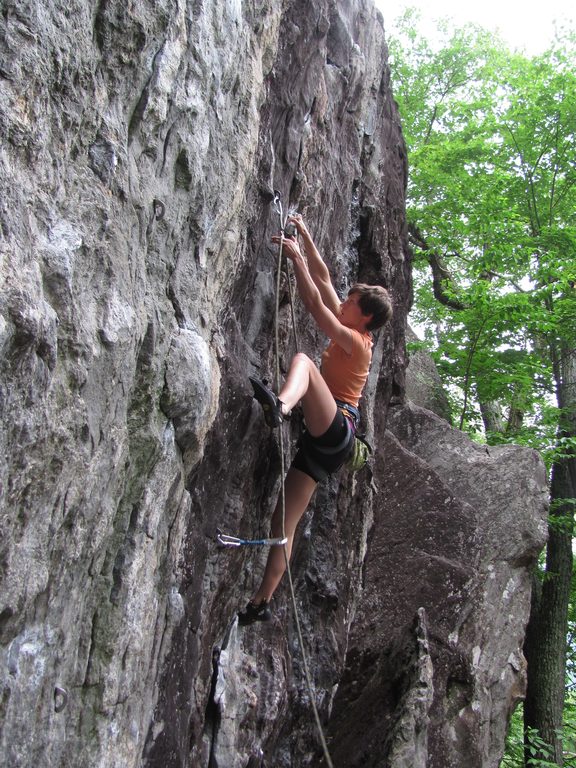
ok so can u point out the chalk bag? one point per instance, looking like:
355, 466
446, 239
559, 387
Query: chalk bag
360, 454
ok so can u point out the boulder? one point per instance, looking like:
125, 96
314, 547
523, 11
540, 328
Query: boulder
424, 386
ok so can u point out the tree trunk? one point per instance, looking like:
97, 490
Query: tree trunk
545, 646
492, 417
515, 420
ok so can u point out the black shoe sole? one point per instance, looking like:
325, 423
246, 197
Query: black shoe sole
271, 406
252, 614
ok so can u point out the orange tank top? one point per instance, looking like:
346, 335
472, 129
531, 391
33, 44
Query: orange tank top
345, 373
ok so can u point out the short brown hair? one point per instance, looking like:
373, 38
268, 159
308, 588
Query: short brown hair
373, 300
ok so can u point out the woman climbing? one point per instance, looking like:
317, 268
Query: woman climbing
329, 396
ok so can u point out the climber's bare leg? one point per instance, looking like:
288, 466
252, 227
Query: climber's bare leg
305, 383
299, 488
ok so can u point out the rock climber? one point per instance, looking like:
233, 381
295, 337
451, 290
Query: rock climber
329, 396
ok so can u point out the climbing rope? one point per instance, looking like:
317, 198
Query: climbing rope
278, 205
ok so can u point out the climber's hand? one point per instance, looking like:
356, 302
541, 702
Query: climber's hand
298, 222
290, 247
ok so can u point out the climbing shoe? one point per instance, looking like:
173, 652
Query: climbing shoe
271, 406
254, 613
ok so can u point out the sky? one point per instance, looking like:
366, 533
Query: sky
524, 25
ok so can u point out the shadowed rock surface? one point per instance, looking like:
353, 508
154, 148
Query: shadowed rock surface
141, 146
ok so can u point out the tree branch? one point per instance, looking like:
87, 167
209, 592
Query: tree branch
443, 283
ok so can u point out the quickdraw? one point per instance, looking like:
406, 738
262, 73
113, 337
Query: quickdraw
288, 230
235, 541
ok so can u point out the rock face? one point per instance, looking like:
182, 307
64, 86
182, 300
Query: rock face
141, 147
423, 383
457, 525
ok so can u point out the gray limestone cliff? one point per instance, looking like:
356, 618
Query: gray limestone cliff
141, 145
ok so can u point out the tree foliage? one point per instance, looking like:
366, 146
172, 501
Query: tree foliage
491, 206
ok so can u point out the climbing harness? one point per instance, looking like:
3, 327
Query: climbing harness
235, 541
349, 411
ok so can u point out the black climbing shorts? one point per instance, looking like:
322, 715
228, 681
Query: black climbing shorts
320, 456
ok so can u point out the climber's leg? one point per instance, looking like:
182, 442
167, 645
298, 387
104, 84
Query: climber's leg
303, 383
298, 489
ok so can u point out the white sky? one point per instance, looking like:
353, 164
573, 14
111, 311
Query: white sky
527, 26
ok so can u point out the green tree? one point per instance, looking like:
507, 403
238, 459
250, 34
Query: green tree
492, 219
